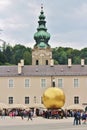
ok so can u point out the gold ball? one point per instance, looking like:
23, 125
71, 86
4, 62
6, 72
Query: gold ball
53, 98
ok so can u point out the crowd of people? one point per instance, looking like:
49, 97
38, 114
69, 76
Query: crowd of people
80, 117
17, 112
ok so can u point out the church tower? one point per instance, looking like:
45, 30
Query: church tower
42, 52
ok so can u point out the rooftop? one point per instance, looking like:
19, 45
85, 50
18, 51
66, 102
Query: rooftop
44, 70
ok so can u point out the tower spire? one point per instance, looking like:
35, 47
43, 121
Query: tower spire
41, 7
42, 36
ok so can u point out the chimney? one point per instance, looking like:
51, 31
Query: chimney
22, 62
69, 62
19, 68
82, 62
51, 62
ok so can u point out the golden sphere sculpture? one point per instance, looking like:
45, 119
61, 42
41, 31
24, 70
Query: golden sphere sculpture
53, 98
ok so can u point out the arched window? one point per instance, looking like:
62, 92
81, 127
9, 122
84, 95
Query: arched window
46, 62
37, 62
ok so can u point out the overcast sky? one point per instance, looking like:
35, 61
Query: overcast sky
66, 22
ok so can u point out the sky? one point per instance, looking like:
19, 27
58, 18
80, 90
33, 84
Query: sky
66, 21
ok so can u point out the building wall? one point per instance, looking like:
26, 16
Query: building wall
19, 92
71, 91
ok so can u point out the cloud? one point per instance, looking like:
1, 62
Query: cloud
66, 21
4, 4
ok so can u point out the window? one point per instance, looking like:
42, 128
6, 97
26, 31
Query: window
11, 83
46, 62
10, 100
37, 62
26, 82
60, 84
43, 83
75, 82
76, 100
26, 100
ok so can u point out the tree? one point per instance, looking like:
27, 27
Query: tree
2, 58
27, 58
18, 52
8, 52
62, 57
12, 55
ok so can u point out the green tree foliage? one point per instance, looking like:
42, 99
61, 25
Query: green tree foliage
12, 55
27, 57
61, 55
18, 52
2, 58
8, 52
83, 54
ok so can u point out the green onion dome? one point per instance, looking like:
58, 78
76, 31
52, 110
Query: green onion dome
42, 36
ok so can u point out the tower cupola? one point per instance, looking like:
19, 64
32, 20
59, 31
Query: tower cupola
42, 52
42, 36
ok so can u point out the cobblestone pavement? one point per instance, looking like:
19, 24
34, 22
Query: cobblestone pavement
39, 123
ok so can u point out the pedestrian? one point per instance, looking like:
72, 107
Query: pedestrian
3, 114
75, 118
84, 116
79, 117
30, 114
22, 114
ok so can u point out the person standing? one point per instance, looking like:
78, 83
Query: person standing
75, 118
30, 114
84, 116
79, 117
3, 114
22, 114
